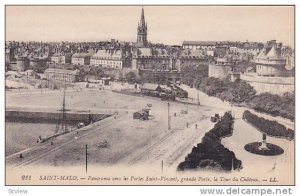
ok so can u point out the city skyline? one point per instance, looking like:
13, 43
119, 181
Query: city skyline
100, 23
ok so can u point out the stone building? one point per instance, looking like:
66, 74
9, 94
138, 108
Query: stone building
61, 58
9, 55
62, 74
189, 57
199, 45
270, 74
208, 47
81, 58
22, 64
253, 48
152, 59
115, 59
269, 62
61, 66
222, 68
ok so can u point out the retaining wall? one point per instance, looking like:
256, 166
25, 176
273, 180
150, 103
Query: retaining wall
274, 85
52, 117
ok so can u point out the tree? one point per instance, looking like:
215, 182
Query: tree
131, 77
274, 104
99, 73
121, 76
192, 74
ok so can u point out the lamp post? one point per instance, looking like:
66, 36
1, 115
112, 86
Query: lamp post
198, 99
187, 108
86, 158
169, 117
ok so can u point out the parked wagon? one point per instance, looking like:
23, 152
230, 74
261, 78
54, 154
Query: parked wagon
102, 144
215, 118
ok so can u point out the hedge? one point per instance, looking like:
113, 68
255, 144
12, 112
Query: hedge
271, 128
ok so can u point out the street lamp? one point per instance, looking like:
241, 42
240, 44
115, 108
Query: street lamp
187, 108
198, 99
169, 117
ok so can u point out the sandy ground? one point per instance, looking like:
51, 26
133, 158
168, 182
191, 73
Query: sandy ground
150, 143
128, 138
14, 84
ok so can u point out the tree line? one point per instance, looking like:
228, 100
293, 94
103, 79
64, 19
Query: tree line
274, 104
239, 92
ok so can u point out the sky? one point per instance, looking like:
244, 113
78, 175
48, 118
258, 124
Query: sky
166, 24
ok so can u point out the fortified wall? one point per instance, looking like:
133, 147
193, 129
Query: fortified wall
274, 85
22, 64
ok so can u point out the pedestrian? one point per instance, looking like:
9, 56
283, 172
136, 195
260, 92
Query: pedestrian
196, 126
187, 124
175, 114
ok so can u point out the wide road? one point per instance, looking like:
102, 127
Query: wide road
215, 102
129, 139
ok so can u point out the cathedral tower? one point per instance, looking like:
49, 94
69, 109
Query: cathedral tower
142, 31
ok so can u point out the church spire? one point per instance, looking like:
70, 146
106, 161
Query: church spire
142, 30
142, 15
142, 21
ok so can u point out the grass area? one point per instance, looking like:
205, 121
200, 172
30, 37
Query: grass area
271, 151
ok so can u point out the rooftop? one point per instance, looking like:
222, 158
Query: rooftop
191, 54
270, 54
108, 54
149, 52
62, 71
202, 43
82, 55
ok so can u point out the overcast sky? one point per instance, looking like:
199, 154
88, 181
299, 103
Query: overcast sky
166, 24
